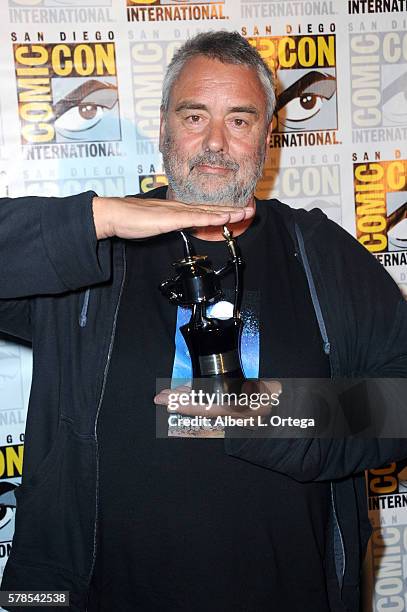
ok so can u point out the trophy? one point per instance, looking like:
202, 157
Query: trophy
213, 344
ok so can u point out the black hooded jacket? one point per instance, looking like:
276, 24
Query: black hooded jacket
60, 290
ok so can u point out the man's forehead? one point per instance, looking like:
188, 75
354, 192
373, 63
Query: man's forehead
195, 66
201, 73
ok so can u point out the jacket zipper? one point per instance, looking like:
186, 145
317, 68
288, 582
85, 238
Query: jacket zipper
327, 350
313, 291
340, 536
83, 317
102, 393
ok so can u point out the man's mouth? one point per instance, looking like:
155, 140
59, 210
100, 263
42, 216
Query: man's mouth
213, 164
209, 169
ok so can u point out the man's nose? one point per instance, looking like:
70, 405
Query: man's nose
216, 137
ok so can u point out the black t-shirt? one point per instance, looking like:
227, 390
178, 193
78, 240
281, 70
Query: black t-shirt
182, 525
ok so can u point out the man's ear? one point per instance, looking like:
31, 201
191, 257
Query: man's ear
162, 129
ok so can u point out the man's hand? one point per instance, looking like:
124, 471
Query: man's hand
139, 218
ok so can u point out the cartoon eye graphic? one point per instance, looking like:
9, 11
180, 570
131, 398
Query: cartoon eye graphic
303, 107
7, 508
304, 99
84, 108
402, 477
394, 100
6, 515
81, 117
397, 228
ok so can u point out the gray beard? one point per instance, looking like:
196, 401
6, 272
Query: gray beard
234, 193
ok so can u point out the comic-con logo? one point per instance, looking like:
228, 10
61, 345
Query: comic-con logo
175, 10
387, 561
378, 65
381, 212
387, 487
304, 186
67, 93
113, 185
109, 180
305, 68
149, 60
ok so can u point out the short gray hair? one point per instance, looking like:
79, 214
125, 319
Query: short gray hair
228, 48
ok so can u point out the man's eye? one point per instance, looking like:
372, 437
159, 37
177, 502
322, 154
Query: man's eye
193, 118
239, 122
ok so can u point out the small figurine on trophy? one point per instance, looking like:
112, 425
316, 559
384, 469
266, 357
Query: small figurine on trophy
213, 344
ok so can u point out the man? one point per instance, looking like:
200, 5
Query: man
129, 522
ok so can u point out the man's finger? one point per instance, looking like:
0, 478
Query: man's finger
204, 219
204, 207
163, 397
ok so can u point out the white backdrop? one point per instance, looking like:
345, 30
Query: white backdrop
79, 107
